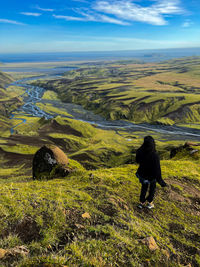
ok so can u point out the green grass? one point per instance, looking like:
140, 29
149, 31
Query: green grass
46, 216
20, 149
90, 217
15, 90
112, 232
50, 95
136, 92
49, 108
4, 79
30, 128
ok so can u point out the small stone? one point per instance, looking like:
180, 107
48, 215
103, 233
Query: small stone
86, 215
166, 254
79, 226
194, 151
19, 250
2, 253
150, 242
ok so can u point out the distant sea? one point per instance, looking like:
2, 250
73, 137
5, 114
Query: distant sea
157, 55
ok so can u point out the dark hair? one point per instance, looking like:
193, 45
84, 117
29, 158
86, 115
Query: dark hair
148, 144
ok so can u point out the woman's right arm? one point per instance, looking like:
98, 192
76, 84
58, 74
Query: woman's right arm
158, 171
137, 156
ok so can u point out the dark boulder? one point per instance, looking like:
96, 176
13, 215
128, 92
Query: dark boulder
187, 148
50, 162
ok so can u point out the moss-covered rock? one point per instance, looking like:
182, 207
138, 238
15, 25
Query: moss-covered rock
49, 162
188, 150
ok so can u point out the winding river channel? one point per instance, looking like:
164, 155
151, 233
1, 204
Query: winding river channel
33, 95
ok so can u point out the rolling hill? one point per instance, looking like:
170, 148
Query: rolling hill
166, 92
90, 217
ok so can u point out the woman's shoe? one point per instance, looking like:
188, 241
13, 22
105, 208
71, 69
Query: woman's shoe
150, 205
141, 206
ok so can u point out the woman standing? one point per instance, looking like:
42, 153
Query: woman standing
149, 171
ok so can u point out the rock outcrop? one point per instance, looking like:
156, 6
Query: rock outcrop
50, 162
188, 148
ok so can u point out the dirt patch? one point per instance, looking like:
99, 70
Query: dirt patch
195, 205
187, 250
14, 159
108, 208
142, 106
177, 197
23, 139
55, 127
192, 204
188, 253
27, 229
175, 227
189, 189
181, 112
83, 157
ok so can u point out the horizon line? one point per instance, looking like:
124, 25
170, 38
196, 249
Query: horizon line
98, 51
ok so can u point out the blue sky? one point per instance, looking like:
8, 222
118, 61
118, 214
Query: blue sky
98, 25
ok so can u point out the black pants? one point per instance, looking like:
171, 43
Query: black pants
152, 190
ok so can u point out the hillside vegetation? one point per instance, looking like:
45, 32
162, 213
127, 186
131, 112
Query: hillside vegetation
9, 101
165, 93
90, 218
4, 79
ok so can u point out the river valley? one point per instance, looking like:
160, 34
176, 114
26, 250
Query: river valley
33, 96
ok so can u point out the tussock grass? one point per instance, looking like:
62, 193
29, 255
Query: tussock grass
90, 218
56, 232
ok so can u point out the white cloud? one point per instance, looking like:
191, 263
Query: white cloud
187, 23
124, 12
8, 21
91, 17
105, 18
68, 18
44, 9
31, 14
129, 11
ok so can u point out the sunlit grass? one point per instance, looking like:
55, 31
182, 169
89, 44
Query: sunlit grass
136, 92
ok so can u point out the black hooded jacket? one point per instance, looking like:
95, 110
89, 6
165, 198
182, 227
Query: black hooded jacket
149, 168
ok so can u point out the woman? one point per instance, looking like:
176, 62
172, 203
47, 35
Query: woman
149, 171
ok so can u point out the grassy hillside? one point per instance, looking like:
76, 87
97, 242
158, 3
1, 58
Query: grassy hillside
158, 92
90, 218
81, 141
9, 101
4, 79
